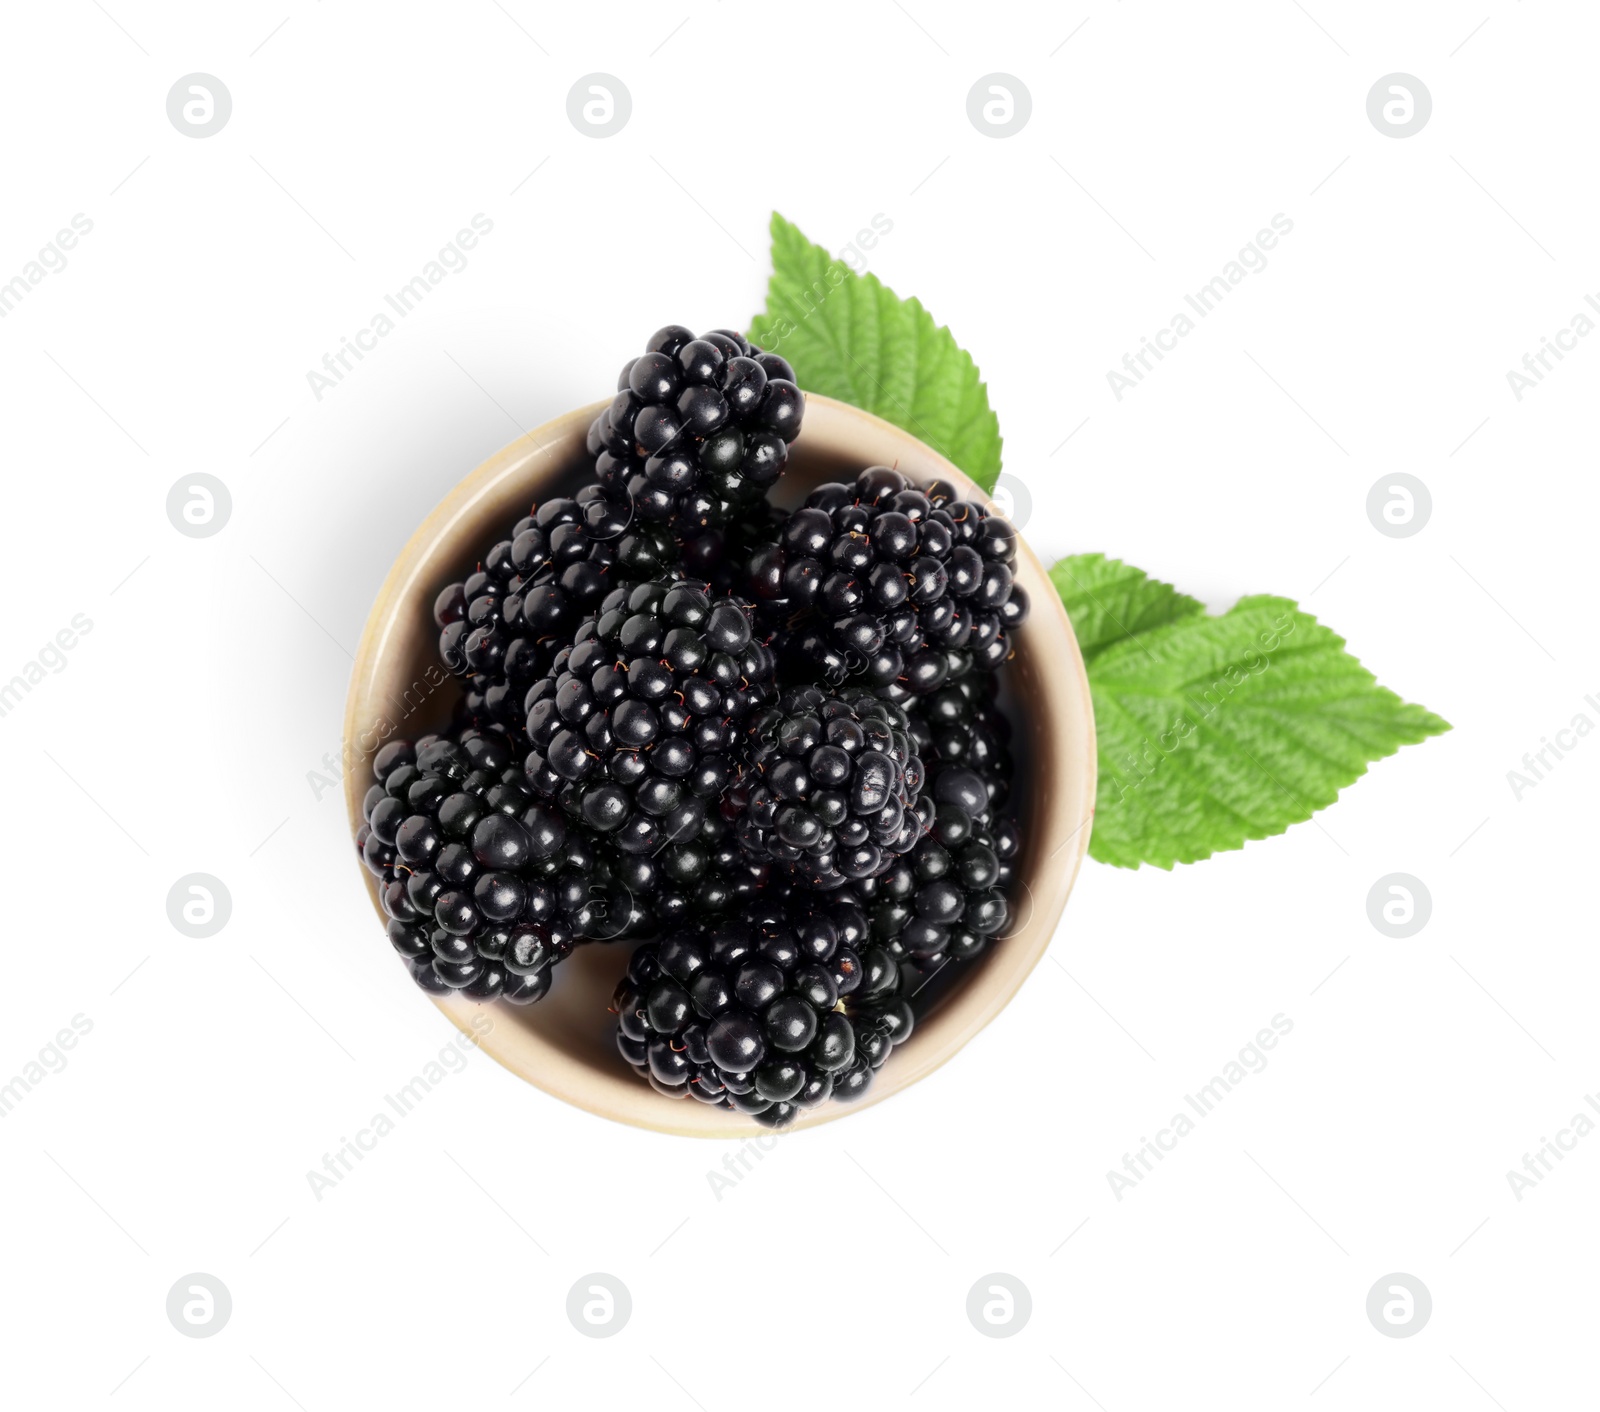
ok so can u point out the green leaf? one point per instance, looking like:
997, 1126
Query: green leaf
851, 337
1108, 600
1216, 730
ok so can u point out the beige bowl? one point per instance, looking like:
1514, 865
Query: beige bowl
565, 1044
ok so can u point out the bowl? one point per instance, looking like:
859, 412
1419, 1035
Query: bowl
565, 1043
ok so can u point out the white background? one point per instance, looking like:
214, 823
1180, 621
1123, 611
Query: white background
181, 733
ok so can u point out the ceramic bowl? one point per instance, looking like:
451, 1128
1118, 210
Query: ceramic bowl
565, 1044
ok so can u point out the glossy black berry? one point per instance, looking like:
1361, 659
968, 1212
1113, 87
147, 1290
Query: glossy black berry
830, 788
638, 730
699, 427
947, 898
902, 589
491, 890
759, 1026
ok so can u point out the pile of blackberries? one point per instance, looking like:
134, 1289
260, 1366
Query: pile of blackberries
765, 743
503, 624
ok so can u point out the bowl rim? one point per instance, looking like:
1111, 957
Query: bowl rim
1067, 802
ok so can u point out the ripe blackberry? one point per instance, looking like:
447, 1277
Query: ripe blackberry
486, 888
500, 628
702, 876
949, 895
946, 898
696, 424
900, 588
830, 788
637, 726
962, 724
768, 1014
722, 556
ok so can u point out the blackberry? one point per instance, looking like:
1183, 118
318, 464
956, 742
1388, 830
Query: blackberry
486, 888
636, 729
830, 788
500, 628
962, 724
722, 556
768, 1014
696, 424
698, 430
945, 901
946, 898
900, 588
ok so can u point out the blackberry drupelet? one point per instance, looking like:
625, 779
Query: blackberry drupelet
636, 729
697, 425
900, 588
486, 888
831, 786
769, 1014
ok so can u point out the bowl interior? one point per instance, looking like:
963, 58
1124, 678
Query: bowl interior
565, 1043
